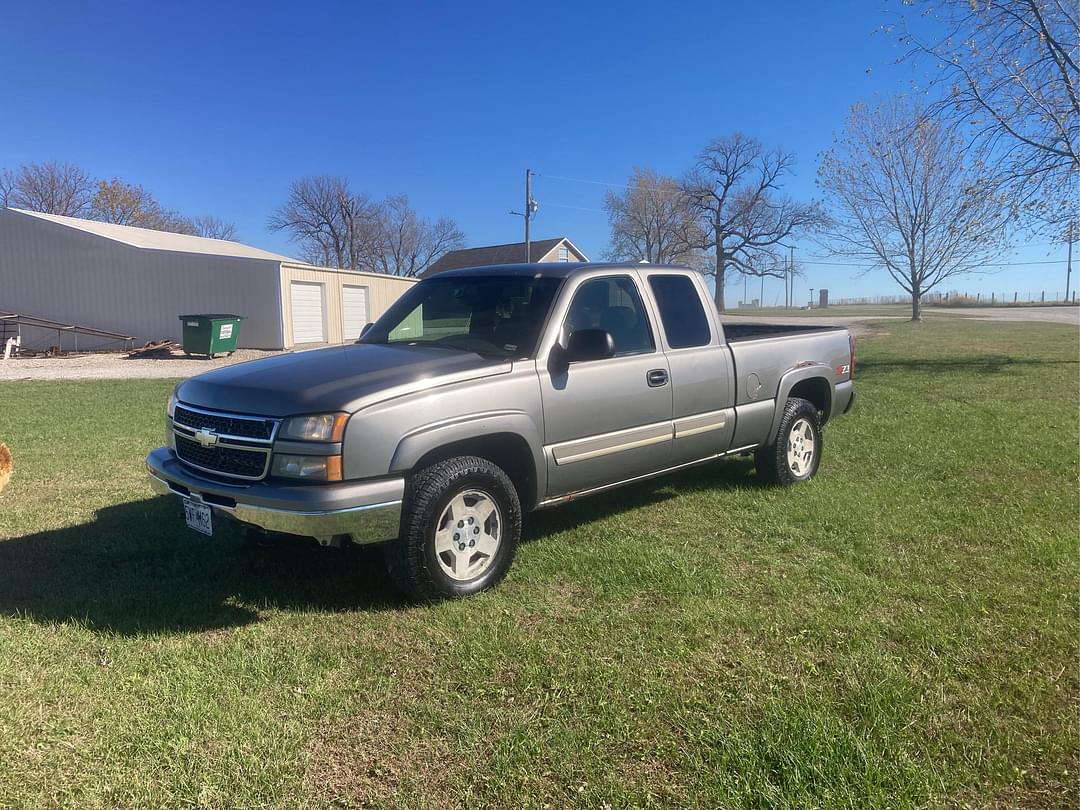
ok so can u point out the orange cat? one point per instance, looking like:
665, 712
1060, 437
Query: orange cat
6, 465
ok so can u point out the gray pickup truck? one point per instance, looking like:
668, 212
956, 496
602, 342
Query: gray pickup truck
483, 394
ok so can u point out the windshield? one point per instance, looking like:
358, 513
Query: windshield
489, 314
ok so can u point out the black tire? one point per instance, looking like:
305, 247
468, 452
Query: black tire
411, 559
772, 461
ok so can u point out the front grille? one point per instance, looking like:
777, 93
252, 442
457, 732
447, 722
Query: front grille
249, 427
231, 461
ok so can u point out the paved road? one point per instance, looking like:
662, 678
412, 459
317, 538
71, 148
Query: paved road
1069, 315
1065, 315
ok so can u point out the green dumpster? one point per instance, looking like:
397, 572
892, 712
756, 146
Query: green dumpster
211, 334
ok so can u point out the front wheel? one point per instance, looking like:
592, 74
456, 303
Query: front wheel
797, 452
460, 528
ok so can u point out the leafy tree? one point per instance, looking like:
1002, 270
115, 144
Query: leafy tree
652, 220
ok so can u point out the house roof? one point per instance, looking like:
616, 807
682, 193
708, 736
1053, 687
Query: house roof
513, 253
157, 240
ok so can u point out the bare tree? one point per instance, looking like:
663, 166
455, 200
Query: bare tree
735, 188
331, 225
7, 187
51, 188
652, 221
407, 243
1010, 75
212, 227
907, 199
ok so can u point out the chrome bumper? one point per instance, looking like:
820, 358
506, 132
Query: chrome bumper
369, 512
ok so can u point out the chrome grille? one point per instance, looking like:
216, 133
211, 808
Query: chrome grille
226, 424
226, 444
231, 461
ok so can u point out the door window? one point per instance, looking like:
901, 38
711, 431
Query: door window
614, 305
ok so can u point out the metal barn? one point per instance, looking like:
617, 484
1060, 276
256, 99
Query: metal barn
137, 282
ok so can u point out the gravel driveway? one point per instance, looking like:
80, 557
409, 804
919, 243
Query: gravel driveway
115, 366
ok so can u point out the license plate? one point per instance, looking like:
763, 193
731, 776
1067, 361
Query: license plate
199, 517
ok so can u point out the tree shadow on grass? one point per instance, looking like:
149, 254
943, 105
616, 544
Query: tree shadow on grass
985, 364
136, 568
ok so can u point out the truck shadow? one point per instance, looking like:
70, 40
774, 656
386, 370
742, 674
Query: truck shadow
136, 569
723, 474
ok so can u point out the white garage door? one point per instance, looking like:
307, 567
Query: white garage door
308, 316
354, 311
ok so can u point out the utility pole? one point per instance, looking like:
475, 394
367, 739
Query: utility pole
531, 207
789, 278
528, 214
1068, 266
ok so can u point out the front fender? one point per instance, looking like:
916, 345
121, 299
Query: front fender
419, 442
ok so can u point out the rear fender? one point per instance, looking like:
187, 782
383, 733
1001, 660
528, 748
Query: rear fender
788, 382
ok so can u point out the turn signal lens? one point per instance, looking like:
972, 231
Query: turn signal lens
310, 468
324, 427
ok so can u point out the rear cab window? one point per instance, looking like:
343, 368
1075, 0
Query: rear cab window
681, 312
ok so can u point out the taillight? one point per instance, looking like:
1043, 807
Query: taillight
851, 345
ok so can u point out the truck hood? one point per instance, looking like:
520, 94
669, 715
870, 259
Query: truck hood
337, 378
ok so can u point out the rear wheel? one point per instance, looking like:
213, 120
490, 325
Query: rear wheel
459, 530
797, 452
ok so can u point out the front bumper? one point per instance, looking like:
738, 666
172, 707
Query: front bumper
367, 511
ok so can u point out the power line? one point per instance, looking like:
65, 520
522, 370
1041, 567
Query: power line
574, 208
989, 264
582, 180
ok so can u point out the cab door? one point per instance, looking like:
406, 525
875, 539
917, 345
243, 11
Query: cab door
702, 375
609, 419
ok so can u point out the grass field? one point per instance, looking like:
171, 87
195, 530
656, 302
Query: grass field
900, 632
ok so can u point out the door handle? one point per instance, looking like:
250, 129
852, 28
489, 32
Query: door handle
656, 377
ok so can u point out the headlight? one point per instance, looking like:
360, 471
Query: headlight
170, 409
311, 468
324, 427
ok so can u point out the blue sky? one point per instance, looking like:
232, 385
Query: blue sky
215, 107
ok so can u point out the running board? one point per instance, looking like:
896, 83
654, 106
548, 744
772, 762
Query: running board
581, 493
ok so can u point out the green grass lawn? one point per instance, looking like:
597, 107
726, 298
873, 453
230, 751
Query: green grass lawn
900, 632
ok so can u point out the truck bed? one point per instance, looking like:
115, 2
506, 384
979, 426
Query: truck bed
737, 332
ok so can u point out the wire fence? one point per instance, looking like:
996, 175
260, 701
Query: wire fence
958, 299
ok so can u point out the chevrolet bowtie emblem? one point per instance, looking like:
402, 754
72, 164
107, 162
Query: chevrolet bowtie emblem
205, 437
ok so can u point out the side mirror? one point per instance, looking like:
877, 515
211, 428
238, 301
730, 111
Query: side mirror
589, 344
366, 329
